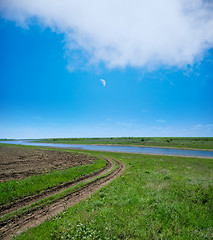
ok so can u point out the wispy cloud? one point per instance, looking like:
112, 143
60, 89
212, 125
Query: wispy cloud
123, 33
37, 117
124, 124
171, 83
144, 111
52, 124
105, 130
203, 127
160, 121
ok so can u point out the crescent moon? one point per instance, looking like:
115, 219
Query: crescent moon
103, 82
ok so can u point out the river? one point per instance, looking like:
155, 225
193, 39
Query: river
130, 149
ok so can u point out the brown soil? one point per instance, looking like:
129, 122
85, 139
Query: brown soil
8, 208
18, 163
37, 216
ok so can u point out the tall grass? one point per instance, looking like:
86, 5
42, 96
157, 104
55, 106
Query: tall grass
157, 197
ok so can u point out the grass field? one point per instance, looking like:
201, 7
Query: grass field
177, 142
157, 197
13, 190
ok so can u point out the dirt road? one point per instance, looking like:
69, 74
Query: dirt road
36, 217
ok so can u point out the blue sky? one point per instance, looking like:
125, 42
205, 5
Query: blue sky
50, 75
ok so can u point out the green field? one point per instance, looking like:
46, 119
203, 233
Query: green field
157, 197
175, 142
14, 190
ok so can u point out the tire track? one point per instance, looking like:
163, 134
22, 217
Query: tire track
34, 218
5, 209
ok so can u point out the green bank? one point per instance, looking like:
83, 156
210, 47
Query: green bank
174, 142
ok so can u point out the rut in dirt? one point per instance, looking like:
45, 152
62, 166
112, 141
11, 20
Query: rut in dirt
8, 208
36, 217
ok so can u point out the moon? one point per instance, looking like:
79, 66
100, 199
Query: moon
103, 82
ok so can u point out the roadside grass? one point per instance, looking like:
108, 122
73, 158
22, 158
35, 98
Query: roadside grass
16, 189
157, 197
51, 199
177, 142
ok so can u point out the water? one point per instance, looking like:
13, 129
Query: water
130, 149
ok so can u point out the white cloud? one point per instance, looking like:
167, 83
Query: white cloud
203, 127
124, 33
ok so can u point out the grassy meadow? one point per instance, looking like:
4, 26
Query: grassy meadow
175, 142
157, 197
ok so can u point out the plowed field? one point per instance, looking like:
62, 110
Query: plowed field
18, 163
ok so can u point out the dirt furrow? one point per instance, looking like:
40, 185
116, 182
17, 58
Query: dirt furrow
18, 163
35, 218
51, 191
